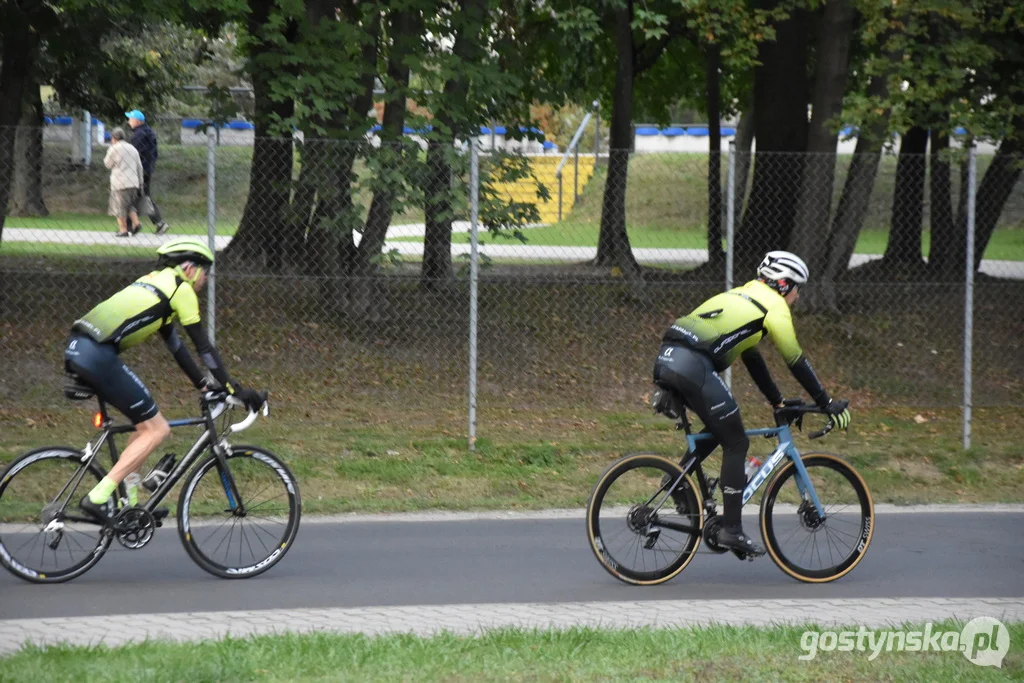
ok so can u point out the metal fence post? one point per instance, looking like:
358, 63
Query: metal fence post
576, 176
730, 218
597, 132
211, 232
972, 174
474, 213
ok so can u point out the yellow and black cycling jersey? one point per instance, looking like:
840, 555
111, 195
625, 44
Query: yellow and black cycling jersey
729, 323
729, 326
151, 304
139, 310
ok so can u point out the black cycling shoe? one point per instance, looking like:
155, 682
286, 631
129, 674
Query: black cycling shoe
95, 510
738, 542
159, 515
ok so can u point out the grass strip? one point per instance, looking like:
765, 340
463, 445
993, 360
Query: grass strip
712, 653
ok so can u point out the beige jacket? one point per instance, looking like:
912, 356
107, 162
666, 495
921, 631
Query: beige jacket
125, 166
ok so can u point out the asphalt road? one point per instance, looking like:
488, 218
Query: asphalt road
362, 564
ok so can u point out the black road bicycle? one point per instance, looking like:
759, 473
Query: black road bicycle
238, 511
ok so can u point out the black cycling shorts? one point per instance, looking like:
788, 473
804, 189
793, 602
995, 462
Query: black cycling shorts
692, 375
99, 366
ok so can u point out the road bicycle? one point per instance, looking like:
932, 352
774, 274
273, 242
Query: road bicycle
647, 514
238, 511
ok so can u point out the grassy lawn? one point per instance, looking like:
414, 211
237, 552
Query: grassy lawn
666, 201
713, 653
364, 461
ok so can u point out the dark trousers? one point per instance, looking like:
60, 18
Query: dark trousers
692, 376
146, 203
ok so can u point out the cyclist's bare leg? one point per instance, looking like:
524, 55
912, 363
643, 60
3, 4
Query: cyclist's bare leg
147, 437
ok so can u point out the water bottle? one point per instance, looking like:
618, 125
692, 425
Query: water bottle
751, 468
131, 485
159, 473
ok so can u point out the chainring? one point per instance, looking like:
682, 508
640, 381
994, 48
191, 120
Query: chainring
134, 528
711, 528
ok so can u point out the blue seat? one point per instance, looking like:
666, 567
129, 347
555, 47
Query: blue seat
697, 131
847, 131
673, 132
535, 131
960, 131
191, 123
106, 135
63, 120
47, 120
647, 131
97, 122
240, 125
376, 128
549, 145
728, 132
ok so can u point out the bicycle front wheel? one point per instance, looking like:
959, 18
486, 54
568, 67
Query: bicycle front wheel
239, 537
641, 532
38, 491
802, 543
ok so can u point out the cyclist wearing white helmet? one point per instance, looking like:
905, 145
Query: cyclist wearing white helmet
129, 317
728, 326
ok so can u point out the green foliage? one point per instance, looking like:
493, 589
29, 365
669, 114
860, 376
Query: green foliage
948, 64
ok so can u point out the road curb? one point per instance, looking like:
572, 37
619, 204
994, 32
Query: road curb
426, 620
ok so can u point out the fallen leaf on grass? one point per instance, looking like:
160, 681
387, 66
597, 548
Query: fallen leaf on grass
920, 419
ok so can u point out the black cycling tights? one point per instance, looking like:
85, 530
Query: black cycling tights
692, 375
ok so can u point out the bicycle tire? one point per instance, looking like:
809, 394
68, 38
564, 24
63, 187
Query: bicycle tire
692, 511
858, 534
15, 522
194, 528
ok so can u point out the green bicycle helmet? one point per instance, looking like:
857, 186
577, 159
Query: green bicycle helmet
183, 249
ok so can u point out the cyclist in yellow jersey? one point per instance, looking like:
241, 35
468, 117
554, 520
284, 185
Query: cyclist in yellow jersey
150, 304
707, 341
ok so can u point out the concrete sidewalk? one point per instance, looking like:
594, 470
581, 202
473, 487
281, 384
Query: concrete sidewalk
114, 630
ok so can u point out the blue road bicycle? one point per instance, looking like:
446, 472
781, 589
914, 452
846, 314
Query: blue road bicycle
647, 514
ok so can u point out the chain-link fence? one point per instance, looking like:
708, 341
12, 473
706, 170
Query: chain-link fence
343, 280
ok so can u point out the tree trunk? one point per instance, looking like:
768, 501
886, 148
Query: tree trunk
715, 254
454, 121
613, 248
904, 248
744, 143
814, 207
27, 195
1002, 174
19, 45
405, 30
270, 174
780, 126
947, 251
856, 195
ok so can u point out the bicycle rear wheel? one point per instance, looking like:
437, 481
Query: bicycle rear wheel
804, 545
38, 543
237, 539
640, 532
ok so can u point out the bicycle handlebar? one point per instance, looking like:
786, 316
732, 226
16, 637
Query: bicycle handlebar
218, 401
794, 409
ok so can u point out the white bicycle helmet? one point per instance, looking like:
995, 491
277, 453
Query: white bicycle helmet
783, 270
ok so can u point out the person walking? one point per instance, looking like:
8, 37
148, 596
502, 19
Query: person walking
144, 140
126, 181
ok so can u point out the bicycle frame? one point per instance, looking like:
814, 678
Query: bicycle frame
785, 449
108, 430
